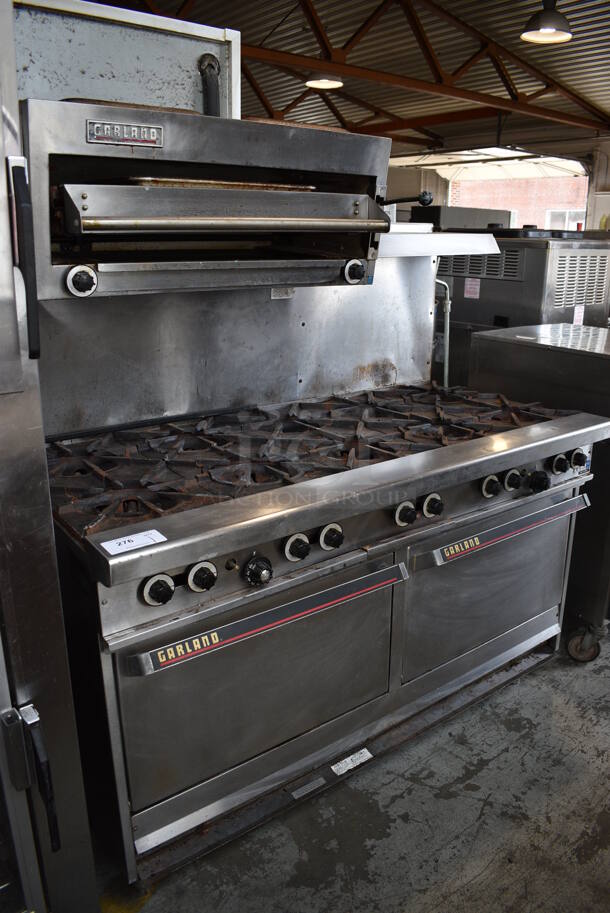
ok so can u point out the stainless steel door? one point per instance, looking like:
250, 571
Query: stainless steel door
483, 582
227, 691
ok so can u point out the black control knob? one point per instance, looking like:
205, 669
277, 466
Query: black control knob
204, 578
491, 487
579, 459
539, 480
433, 506
258, 571
512, 480
332, 537
297, 547
560, 464
355, 271
405, 514
158, 590
83, 281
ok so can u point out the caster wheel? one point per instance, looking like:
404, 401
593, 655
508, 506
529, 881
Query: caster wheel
579, 653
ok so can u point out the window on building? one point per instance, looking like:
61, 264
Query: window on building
565, 219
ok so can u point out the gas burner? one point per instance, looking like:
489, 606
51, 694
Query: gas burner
143, 473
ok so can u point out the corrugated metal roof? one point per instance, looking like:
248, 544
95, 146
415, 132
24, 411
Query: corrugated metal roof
582, 64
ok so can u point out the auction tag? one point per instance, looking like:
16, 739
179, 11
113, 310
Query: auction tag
136, 540
472, 288
579, 315
353, 760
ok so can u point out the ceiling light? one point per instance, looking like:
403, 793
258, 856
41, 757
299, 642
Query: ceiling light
547, 27
324, 82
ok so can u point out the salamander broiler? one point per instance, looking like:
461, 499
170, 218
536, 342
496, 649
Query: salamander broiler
277, 541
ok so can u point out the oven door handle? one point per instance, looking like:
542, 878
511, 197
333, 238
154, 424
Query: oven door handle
24, 244
475, 542
225, 636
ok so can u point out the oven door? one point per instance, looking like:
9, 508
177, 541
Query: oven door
483, 580
223, 691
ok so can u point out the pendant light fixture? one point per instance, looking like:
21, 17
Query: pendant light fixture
324, 82
547, 26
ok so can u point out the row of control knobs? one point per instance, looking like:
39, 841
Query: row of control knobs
258, 570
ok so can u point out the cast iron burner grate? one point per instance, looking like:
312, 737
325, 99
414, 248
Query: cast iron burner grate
133, 474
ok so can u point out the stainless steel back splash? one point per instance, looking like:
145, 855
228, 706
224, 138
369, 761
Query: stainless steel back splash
115, 361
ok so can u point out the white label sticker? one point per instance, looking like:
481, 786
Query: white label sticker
136, 540
472, 288
579, 315
354, 760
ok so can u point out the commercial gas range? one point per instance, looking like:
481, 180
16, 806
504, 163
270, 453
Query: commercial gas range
256, 595
268, 589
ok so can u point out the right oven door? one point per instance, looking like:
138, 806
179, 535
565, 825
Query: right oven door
483, 579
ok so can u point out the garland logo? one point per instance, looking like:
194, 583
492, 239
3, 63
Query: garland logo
110, 132
458, 548
185, 648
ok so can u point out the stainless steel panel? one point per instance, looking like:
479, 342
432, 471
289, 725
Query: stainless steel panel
30, 609
254, 694
138, 210
254, 148
79, 50
179, 354
453, 608
177, 814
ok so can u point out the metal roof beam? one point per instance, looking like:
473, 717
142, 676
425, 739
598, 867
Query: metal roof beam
501, 51
258, 91
366, 26
505, 77
316, 27
461, 70
300, 61
422, 40
413, 123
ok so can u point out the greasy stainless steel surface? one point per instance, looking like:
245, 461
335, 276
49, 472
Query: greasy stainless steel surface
532, 281
464, 800
197, 146
225, 349
569, 367
67, 49
33, 637
232, 524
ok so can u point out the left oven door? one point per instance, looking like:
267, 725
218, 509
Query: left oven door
221, 692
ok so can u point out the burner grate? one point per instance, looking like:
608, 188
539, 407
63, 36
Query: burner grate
103, 481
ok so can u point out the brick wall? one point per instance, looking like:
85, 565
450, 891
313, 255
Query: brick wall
529, 197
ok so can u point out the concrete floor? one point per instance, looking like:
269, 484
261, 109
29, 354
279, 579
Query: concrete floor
503, 808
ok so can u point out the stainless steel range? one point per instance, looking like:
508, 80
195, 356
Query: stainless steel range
258, 597
275, 586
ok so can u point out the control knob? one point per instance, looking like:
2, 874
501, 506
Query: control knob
578, 459
81, 281
560, 464
405, 514
201, 577
539, 480
512, 480
158, 590
354, 272
331, 537
297, 547
258, 571
433, 505
491, 487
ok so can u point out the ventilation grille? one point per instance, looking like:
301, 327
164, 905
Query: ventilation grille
581, 279
506, 265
